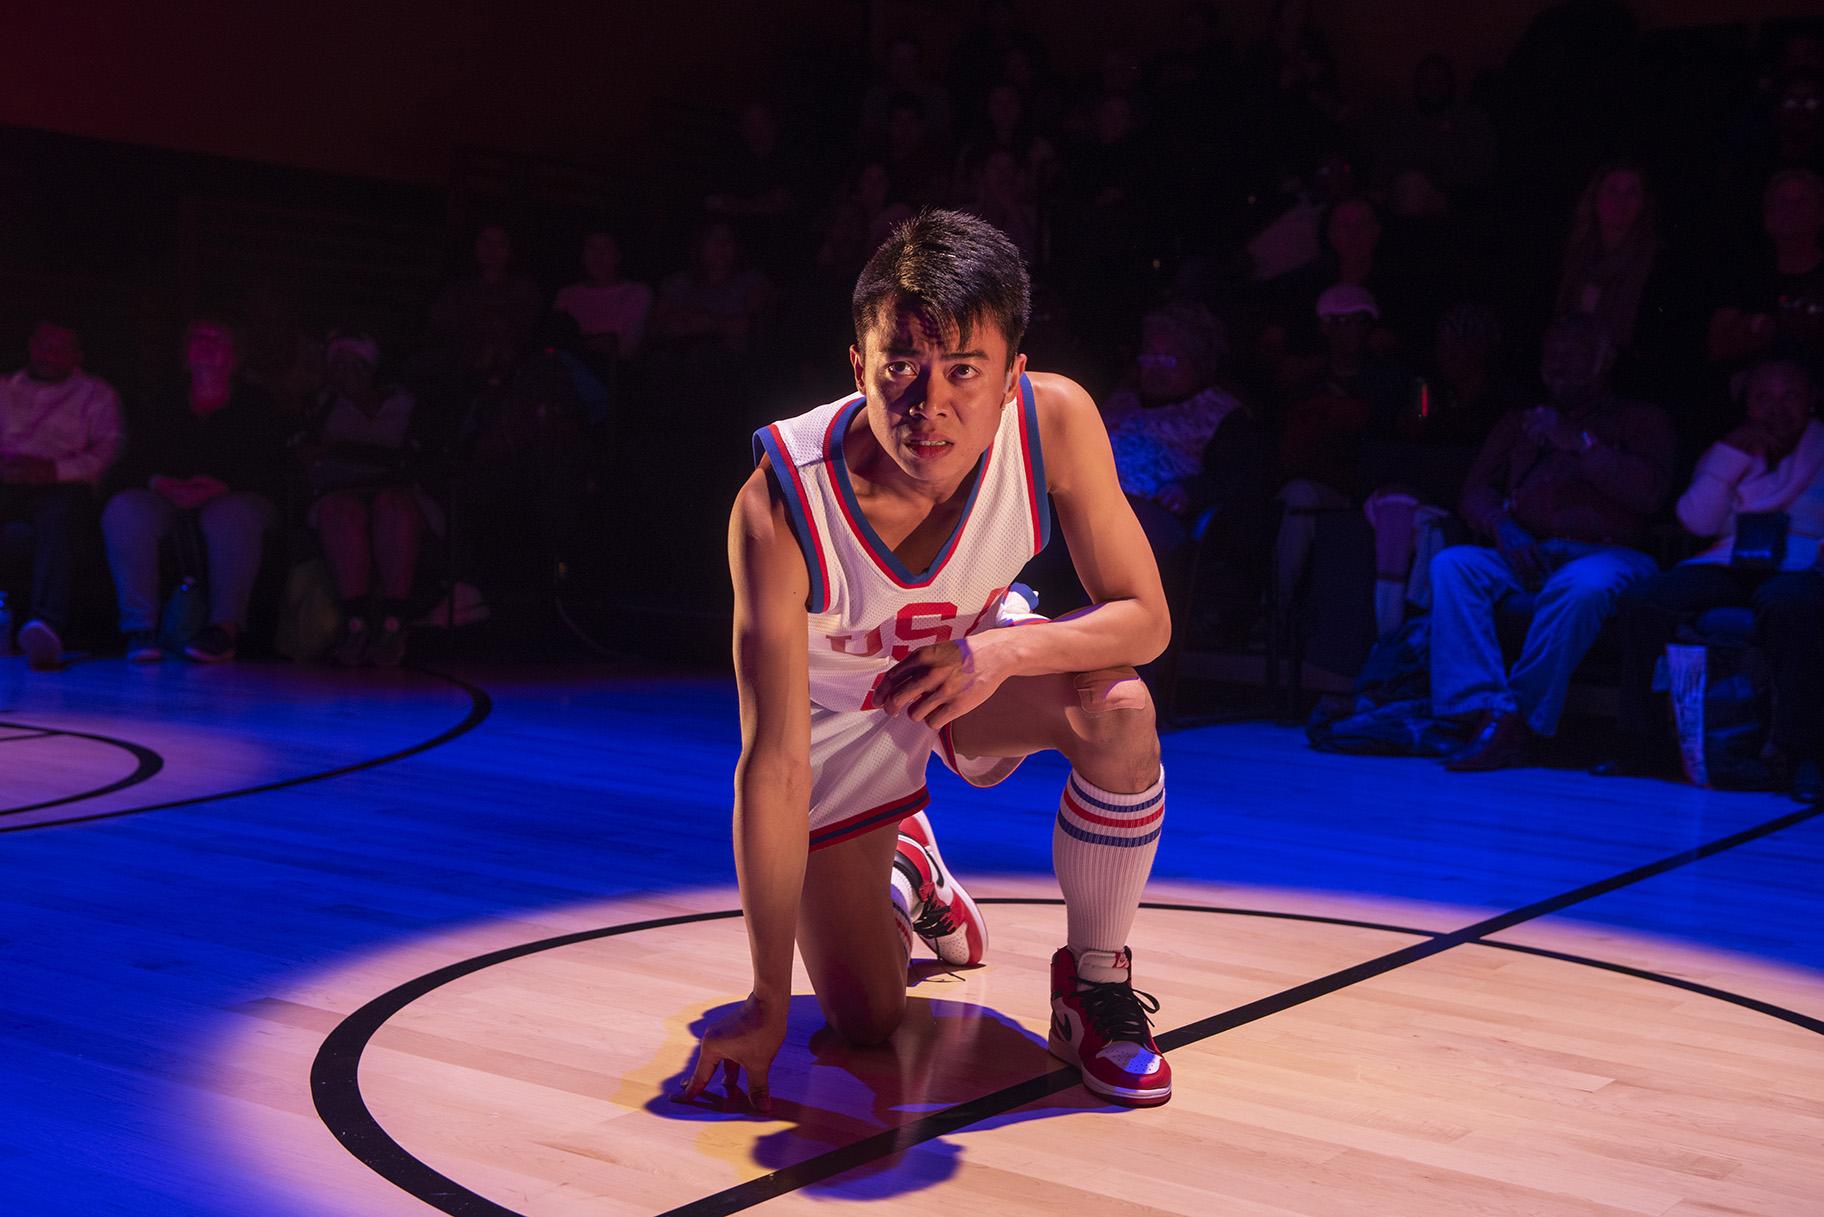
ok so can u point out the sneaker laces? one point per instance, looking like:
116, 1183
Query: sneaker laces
1117, 1010
934, 919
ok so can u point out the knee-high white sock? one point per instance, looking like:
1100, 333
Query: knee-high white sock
1102, 848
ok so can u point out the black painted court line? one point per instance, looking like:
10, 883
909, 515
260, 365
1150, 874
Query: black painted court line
146, 765
335, 1086
336, 1092
480, 706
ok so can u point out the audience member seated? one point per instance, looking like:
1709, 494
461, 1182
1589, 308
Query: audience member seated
1451, 142
1563, 493
1612, 266
483, 322
863, 216
914, 159
369, 513
1419, 472
1772, 462
209, 460
1182, 443
1320, 447
1002, 194
1003, 127
760, 188
715, 303
1780, 300
905, 77
610, 311
60, 431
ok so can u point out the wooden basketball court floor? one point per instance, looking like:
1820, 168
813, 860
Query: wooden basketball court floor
277, 940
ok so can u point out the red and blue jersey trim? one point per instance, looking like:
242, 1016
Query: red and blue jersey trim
850, 827
850, 507
1037, 499
769, 443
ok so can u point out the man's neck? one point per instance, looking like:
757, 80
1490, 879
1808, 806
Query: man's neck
868, 460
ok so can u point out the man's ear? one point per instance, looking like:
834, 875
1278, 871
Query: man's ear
1015, 370
857, 365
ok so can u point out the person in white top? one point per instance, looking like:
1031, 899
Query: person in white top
1773, 462
60, 431
609, 310
873, 552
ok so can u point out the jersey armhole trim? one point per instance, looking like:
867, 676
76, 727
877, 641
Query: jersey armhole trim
1037, 498
769, 443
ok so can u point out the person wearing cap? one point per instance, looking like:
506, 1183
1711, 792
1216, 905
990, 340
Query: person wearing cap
208, 461
1320, 446
1560, 495
59, 433
369, 514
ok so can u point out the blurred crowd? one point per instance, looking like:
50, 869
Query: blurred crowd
1538, 334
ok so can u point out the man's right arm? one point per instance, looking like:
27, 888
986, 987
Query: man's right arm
772, 780
1485, 488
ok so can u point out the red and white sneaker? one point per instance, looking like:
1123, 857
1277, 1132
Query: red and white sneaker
940, 911
1102, 1028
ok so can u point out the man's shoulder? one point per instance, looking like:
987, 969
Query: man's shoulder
1061, 404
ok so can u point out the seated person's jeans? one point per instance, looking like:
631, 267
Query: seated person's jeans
1468, 672
63, 524
233, 527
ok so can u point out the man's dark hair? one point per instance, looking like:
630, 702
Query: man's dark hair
955, 268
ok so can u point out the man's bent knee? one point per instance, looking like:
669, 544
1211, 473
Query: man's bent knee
1114, 730
862, 1022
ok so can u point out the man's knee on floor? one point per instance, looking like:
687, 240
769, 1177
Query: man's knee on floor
863, 1022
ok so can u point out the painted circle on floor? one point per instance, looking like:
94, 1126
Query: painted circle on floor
536, 1079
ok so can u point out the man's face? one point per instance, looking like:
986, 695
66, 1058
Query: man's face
1167, 371
1573, 362
1620, 200
1353, 230
1346, 334
601, 257
348, 374
1800, 111
934, 398
53, 353
210, 349
1781, 399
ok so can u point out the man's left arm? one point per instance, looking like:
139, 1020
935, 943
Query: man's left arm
1128, 622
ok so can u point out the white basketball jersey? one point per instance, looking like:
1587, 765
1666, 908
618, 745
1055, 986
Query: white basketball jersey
867, 611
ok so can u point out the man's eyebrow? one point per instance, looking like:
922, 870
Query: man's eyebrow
898, 350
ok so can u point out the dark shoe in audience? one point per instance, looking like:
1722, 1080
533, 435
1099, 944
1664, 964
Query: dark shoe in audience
1632, 758
1504, 742
43, 649
214, 645
142, 647
1807, 782
350, 650
388, 647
